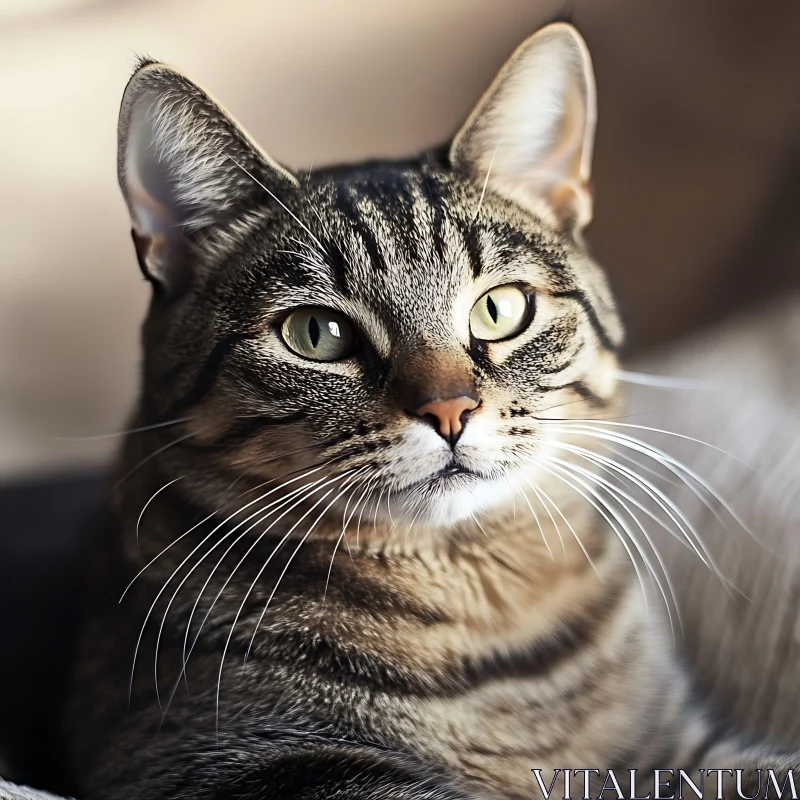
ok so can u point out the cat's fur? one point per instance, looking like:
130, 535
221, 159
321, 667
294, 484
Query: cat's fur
464, 631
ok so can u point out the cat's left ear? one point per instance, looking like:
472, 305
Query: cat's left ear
532, 132
184, 166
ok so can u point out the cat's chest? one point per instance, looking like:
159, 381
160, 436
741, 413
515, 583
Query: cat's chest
590, 707
492, 738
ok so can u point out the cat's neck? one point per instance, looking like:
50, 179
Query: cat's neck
497, 584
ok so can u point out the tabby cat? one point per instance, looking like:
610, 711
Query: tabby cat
364, 527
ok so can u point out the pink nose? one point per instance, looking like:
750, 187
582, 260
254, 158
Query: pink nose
448, 416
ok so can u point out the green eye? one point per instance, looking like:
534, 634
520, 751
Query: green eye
319, 334
501, 313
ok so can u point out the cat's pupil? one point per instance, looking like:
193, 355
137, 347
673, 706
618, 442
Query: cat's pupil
313, 331
492, 309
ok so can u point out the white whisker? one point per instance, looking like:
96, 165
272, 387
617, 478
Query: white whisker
671, 509
304, 491
611, 423
411, 524
150, 457
212, 514
538, 494
480, 527
377, 506
538, 524
485, 183
281, 204
661, 381
117, 434
645, 468
342, 535
255, 581
676, 467
153, 497
370, 488
389, 506
170, 545
612, 467
601, 509
568, 524
294, 553
182, 564
615, 494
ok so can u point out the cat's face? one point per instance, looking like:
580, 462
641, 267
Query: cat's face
394, 331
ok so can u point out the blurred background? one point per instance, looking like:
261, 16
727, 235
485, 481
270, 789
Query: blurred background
697, 186
697, 167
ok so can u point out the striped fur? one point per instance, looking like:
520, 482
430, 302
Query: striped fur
349, 620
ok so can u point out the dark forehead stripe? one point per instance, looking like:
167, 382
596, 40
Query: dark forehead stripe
335, 259
384, 201
471, 244
433, 193
346, 204
394, 193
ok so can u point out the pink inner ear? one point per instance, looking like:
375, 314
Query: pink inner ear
151, 218
567, 148
541, 111
147, 181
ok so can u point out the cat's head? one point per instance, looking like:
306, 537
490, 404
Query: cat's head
393, 331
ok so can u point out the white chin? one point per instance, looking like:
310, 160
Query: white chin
449, 501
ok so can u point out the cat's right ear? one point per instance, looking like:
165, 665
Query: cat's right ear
184, 165
530, 138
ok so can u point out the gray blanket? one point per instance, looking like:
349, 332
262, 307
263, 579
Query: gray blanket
10, 791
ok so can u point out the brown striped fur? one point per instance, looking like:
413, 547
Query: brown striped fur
459, 627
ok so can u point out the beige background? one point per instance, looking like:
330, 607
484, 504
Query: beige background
696, 163
697, 178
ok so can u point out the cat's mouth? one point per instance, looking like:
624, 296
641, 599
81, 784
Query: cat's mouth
442, 497
453, 472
